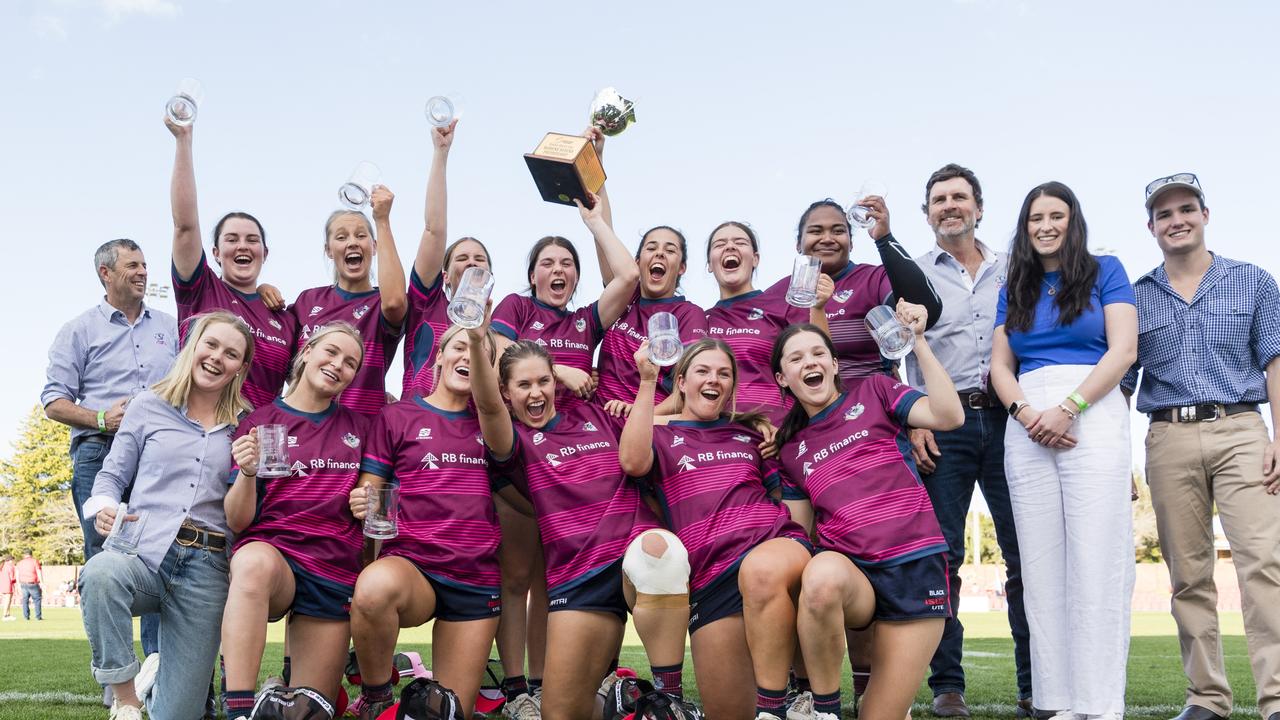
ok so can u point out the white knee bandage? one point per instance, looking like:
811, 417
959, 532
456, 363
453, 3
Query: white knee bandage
666, 575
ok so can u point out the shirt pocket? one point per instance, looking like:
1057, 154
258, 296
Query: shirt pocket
1159, 342
1227, 324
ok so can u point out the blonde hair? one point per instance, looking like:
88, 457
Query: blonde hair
328, 226
174, 387
490, 343
346, 328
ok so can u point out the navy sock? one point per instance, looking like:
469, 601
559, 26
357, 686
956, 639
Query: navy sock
861, 676
829, 703
239, 703
535, 684
668, 679
771, 701
286, 670
377, 693
802, 684
514, 686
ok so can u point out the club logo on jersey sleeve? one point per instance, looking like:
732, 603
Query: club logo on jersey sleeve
842, 296
316, 310
580, 325
424, 433
677, 440
854, 412
686, 463
537, 325
293, 441
742, 438
429, 462
755, 314
360, 311
351, 441
538, 438
275, 324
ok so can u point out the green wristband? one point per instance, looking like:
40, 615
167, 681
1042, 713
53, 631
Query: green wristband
102, 420
1079, 400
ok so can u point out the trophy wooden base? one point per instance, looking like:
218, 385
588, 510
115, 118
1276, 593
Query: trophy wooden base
565, 168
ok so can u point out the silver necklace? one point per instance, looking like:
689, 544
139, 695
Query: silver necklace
1053, 288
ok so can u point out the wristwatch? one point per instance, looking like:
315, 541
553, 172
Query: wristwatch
1015, 406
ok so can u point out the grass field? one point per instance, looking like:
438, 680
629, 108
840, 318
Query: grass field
44, 667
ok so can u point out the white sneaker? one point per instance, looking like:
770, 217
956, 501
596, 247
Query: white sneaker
524, 707
145, 680
802, 707
126, 712
824, 716
273, 681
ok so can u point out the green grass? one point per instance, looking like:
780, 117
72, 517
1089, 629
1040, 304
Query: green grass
53, 657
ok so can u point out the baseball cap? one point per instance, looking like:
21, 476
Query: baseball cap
1157, 187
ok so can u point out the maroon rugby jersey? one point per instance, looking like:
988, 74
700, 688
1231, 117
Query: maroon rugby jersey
273, 331
619, 379
314, 308
858, 288
854, 463
306, 514
426, 321
448, 526
712, 485
570, 337
587, 509
749, 323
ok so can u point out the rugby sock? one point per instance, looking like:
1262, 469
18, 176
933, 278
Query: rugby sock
827, 703
514, 686
286, 670
861, 676
772, 702
535, 685
802, 684
378, 693
239, 703
668, 678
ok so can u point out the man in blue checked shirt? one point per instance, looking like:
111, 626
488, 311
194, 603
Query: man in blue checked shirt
1209, 355
99, 360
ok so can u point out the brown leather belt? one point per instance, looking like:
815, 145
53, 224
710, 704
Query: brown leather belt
977, 400
192, 536
1207, 412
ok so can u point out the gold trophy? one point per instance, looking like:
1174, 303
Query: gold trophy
565, 167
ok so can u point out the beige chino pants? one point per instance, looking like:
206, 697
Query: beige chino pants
1190, 467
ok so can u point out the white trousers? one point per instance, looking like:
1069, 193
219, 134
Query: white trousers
1075, 537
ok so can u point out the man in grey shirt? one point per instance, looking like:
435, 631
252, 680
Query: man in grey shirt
968, 276
99, 360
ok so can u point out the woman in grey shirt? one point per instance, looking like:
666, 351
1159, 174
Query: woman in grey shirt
174, 445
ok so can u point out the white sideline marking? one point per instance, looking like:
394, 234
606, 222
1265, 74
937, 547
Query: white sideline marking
60, 697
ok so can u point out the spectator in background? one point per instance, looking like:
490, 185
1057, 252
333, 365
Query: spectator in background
1209, 353
8, 578
30, 575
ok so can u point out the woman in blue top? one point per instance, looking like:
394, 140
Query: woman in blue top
1066, 332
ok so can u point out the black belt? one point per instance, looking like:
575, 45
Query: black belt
977, 400
1207, 412
192, 536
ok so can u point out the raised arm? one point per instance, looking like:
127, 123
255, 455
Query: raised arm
618, 292
495, 419
434, 232
941, 409
635, 446
905, 276
597, 141
391, 287
182, 202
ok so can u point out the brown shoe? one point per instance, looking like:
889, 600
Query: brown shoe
950, 704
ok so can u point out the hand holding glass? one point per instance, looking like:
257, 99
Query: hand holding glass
356, 191
273, 451
125, 533
184, 104
803, 290
444, 109
664, 339
380, 517
858, 214
895, 339
466, 308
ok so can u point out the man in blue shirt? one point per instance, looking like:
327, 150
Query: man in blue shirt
967, 276
1209, 354
99, 360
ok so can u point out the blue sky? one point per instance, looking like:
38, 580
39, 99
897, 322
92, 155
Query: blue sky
747, 110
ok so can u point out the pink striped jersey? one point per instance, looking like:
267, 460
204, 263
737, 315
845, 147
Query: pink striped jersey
448, 526
273, 332
367, 393
858, 288
749, 323
854, 463
570, 337
712, 486
587, 509
305, 515
619, 379
425, 322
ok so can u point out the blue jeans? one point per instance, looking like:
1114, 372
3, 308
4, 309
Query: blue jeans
32, 592
87, 456
974, 454
188, 592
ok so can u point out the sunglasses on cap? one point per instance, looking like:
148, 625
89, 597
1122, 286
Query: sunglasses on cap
1178, 179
